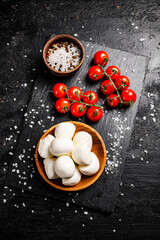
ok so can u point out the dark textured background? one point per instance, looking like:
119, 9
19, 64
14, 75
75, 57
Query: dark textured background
137, 212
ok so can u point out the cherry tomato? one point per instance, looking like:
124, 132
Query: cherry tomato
94, 114
122, 82
101, 58
78, 109
59, 90
75, 93
128, 97
113, 72
95, 73
106, 87
113, 100
90, 97
62, 105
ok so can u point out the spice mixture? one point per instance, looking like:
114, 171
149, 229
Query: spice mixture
64, 56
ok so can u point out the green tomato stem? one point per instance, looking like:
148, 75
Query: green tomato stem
121, 102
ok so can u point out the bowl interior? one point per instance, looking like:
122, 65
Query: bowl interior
98, 148
57, 39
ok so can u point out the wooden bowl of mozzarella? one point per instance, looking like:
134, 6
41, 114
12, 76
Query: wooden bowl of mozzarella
70, 156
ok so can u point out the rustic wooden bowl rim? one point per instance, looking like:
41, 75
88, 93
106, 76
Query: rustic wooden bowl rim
73, 188
55, 39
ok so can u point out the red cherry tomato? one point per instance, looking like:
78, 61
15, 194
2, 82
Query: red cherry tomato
95, 73
90, 97
62, 105
122, 82
101, 58
94, 114
106, 87
59, 90
113, 100
128, 97
113, 72
75, 93
78, 109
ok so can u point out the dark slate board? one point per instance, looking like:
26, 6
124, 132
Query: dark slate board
115, 128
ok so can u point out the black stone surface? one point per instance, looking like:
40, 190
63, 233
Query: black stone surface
115, 128
24, 26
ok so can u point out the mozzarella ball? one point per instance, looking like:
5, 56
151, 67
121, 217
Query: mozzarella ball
43, 148
64, 167
81, 154
83, 137
92, 168
65, 129
75, 179
49, 168
60, 146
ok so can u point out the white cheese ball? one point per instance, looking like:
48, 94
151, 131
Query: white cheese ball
60, 146
43, 148
83, 137
49, 168
92, 168
81, 154
65, 129
75, 179
64, 167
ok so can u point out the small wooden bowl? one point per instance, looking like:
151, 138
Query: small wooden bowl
98, 148
57, 39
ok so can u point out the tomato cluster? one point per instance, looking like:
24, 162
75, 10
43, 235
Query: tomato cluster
74, 100
115, 87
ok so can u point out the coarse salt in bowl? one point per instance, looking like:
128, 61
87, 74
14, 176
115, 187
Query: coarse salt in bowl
63, 55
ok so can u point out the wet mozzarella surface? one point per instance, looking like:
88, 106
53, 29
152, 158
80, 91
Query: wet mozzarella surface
49, 168
61, 146
81, 154
43, 148
92, 168
64, 167
75, 179
65, 129
83, 137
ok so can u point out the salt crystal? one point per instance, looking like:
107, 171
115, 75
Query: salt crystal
23, 204
136, 27
114, 230
85, 213
151, 106
67, 204
154, 119
132, 24
4, 200
75, 34
142, 39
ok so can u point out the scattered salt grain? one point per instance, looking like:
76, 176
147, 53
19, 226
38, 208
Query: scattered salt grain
114, 230
85, 213
76, 35
4, 200
142, 39
136, 27
154, 119
67, 204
